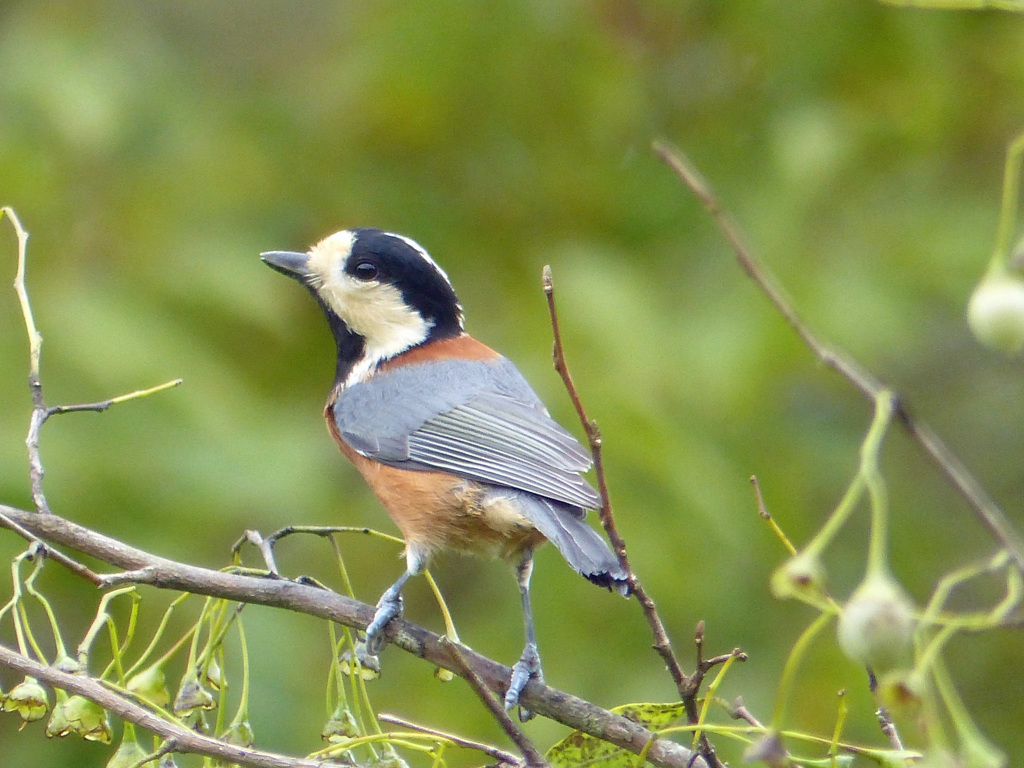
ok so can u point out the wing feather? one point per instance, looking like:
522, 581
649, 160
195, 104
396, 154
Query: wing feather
476, 419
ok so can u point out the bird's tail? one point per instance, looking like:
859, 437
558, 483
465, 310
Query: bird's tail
580, 545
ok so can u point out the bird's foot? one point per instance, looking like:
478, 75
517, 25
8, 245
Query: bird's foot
526, 669
388, 607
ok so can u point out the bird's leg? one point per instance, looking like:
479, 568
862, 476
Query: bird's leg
388, 607
528, 666
390, 604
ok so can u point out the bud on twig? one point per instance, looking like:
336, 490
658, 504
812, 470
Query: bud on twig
995, 313
876, 627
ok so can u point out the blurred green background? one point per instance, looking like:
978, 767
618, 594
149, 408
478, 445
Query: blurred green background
154, 149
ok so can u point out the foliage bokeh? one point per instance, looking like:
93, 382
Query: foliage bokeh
153, 150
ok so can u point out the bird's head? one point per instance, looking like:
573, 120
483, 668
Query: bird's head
382, 293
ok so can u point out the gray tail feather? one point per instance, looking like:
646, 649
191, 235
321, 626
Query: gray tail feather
580, 545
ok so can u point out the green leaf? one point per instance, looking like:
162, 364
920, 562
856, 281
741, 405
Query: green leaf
581, 749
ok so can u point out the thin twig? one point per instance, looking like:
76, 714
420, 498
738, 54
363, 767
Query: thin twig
762, 508
534, 759
985, 509
740, 712
51, 553
714, 661
35, 339
885, 721
687, 686
35, 344
506, 758
103, 405
662, 644
35, 463
762, 511
991, 516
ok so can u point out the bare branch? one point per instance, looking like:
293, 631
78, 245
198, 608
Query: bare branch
740, 712
503, 757
885, 721
156, 571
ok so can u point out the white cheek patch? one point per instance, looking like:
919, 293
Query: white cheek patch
375, 311
378, 313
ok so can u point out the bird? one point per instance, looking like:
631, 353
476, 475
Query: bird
446, 432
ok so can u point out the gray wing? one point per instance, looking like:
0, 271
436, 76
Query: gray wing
474, 418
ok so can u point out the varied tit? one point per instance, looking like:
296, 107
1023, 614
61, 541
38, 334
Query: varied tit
447, 433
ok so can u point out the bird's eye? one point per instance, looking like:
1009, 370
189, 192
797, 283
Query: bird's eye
365, 270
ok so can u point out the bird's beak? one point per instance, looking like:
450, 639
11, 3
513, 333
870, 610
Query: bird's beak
288, 263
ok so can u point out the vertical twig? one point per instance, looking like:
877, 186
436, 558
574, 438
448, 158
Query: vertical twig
688, 686
662, 644
35, 345
40, 412
885, 721
35, 340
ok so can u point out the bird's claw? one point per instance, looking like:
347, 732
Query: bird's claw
388, 607
526, 669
